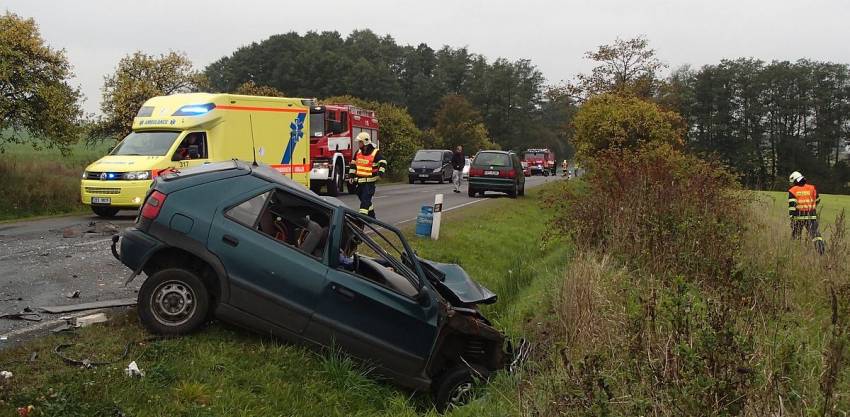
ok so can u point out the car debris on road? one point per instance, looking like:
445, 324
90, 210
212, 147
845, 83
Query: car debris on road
24, 315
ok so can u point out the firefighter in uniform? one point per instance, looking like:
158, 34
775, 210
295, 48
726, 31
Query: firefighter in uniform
803, 200
367, 166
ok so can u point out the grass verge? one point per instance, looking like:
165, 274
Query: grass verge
224, 371
42, 182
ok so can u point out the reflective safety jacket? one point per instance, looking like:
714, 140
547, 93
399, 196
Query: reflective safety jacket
368, 167
802, 202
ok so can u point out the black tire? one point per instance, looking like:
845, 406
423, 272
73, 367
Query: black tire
185, 293
522, 190
471, 192
411, 180
105, 211
457, 386
513, 193
336, 183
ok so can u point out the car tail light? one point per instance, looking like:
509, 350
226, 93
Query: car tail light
152, 205
508, 173
476, 172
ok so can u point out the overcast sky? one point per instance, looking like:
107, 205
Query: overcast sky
553, 34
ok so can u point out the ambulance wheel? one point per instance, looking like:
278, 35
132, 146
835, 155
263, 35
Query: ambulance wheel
335, 185
105, 211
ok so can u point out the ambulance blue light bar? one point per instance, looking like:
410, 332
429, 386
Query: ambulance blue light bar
194, 109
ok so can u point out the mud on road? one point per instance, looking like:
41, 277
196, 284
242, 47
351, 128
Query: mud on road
40, 267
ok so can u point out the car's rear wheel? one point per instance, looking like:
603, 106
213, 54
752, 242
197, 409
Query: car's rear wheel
458, 386
513, 192
471, 192
522, 189
105, 211
173, 301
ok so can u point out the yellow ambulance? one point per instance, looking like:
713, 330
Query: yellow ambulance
185, 130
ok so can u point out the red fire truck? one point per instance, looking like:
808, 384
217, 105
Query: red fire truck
333, 128
540, 161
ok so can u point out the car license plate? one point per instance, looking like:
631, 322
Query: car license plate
423, 175
101, 200
491, 172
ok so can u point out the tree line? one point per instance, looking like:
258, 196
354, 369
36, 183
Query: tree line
768, 119
763, 120
508, 103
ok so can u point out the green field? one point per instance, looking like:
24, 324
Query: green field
43, 182
225, 371
831, 204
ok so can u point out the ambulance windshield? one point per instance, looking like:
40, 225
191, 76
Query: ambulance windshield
146, 143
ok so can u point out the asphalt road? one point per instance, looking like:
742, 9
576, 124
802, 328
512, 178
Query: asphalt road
39, 267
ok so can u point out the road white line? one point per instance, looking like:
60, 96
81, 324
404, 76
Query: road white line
448, 209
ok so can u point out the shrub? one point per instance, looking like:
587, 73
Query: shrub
656, 208
610, 121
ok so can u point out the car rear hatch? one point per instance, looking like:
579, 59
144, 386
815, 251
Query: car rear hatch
493, 167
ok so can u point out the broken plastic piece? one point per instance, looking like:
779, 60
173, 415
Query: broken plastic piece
133, 370
89, 320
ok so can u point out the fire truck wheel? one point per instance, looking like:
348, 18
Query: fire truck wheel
336, 184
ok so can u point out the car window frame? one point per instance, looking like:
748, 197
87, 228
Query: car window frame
325, 258
421, 278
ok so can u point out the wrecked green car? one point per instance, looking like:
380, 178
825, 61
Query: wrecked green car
248, 246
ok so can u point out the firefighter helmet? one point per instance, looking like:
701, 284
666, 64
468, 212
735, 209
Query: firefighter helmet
365, 138
795, 176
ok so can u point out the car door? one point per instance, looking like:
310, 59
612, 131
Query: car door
448, 169
268, 278
374, 322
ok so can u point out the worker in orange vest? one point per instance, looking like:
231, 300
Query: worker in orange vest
803, 200
367, 166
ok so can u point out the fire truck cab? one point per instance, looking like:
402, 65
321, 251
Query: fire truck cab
540, 161
333, 128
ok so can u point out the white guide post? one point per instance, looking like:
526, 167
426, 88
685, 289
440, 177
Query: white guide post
438, 214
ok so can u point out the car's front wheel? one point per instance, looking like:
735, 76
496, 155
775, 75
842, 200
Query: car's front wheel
458, 386
173, 301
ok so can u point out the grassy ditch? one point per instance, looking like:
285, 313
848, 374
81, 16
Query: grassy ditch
43, 182
225, 371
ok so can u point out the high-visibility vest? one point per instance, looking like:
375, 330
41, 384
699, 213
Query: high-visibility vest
365, 164
806, 196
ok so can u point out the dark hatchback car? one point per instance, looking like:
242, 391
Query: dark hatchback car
431, 165
499, 171
251, 247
